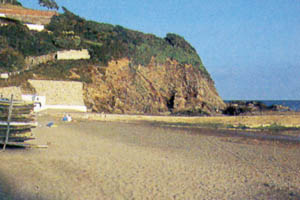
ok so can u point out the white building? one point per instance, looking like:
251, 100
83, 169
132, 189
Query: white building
35, 27
4, 75
39, 101
73, 54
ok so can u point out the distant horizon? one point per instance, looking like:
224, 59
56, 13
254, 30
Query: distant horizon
250, 48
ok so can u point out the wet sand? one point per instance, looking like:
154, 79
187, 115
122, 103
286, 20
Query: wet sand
116, 160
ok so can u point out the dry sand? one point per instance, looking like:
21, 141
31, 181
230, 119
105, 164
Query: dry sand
114, 160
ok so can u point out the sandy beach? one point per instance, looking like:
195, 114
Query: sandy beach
88, 159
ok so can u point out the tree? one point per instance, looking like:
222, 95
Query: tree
14, 2
50, 4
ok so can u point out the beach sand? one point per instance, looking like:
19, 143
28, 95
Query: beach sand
115, 160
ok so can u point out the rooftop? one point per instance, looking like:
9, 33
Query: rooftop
26, 15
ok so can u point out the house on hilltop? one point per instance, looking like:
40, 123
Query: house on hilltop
33, 19
26, 15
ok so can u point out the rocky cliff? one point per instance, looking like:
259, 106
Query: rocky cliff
128, 72
156, 88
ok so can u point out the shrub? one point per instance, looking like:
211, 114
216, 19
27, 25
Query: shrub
11, 60
106, 42
28, 43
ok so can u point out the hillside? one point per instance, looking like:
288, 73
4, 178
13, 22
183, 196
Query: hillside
129, 71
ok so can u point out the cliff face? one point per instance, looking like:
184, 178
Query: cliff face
156, 88
127, 71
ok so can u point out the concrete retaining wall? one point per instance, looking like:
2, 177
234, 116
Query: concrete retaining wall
62, 93
73, 55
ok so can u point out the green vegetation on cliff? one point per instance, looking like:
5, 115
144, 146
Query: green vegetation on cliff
148, 74
105, 42
13, 2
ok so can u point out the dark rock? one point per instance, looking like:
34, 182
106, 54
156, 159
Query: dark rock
251, 107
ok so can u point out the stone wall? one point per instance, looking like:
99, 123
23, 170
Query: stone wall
6, 92
31, 61
59, 92
73, 54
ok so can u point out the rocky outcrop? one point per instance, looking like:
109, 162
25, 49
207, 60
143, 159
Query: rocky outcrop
123, 88
128, 71
251, 108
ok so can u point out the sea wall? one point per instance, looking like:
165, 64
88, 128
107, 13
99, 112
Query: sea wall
62, 93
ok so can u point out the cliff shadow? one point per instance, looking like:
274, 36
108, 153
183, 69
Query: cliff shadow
269, 191
9, 191
170, 102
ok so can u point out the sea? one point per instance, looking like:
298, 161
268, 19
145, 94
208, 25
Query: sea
292, 104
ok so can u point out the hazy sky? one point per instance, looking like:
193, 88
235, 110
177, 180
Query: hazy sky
250, 47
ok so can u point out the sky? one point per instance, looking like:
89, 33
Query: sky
251, 48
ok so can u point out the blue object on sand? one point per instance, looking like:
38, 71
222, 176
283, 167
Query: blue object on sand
50, 124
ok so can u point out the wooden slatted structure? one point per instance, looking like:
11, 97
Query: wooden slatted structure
16, 121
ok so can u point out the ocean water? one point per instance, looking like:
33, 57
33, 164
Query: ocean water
292, 104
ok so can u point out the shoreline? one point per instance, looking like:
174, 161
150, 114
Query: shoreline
288, 120
89, 159
281, 128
